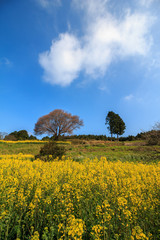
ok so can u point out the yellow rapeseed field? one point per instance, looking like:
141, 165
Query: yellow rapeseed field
95, 199
31, 141
22, 141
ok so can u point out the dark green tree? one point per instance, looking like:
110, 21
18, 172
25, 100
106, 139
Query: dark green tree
115, 124
31, 137
18, 135
22, 135
110, 121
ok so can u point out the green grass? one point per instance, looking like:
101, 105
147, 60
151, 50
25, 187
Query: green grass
25, 148
115, 152
91, 149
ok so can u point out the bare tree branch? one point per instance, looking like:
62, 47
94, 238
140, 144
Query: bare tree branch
57, 122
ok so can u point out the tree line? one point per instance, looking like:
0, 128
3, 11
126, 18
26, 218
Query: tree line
59, 122
59, 125
18, 135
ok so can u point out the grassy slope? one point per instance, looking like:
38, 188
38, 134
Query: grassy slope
115, 151
15, 148
79, 150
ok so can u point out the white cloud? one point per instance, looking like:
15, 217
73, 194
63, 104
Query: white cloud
63, 62
5, 61
105, 39
134, 98
129, 97
146, 3
48, 3
154, 62
92, 8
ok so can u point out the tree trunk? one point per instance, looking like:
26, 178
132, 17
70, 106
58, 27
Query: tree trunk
56, 137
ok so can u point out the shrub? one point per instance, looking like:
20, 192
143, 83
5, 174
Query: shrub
153, 137
10, 137
153, 140
50, 151
31, 137
45, 138
78, 141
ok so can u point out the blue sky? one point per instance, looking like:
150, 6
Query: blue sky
85, 57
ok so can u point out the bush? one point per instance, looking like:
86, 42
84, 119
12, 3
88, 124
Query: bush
153, 140
10, 137
31, 137
45, 138
50, 151
153, 137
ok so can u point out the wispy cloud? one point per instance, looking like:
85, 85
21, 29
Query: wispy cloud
48, 3
106, 38
128, 97
5, 61
155, 61
146, 3
137, 98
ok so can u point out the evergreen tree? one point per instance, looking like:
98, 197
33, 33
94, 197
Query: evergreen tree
115, 124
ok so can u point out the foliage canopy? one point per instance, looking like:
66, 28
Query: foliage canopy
57, 122
115, 124
18, 135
